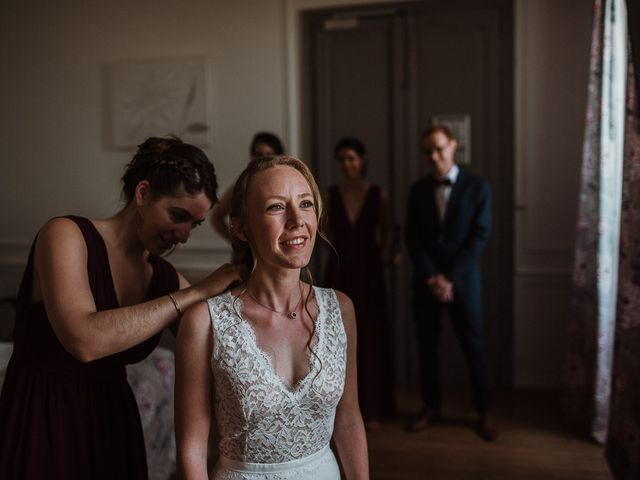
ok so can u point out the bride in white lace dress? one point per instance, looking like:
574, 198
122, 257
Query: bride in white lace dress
274, 359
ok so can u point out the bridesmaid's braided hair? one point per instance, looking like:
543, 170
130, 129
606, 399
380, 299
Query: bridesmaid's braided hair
168, 163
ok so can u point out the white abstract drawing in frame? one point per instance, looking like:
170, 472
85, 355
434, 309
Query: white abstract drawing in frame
460, 126
157, 97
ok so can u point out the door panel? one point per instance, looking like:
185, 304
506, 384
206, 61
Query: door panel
381, 75
355, 96
359, 91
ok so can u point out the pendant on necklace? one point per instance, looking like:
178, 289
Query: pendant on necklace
292, 315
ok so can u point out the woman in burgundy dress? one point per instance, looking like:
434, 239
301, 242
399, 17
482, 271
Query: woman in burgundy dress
263, 144
359, 227
95, 297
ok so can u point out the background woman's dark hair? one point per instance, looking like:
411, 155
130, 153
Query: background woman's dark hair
167, 163
270, 139
353, 143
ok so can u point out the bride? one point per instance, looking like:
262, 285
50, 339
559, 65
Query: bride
276, 354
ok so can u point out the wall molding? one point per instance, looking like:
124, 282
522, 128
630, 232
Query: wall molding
199, 259
543, 303
14, 253
529, 272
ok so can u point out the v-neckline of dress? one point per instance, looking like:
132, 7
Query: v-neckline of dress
298, 386
112, 285
356, 219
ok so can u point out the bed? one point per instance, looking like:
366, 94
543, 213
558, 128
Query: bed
152, 382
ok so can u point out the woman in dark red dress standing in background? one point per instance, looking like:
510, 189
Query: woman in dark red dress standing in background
95, 297
359, 227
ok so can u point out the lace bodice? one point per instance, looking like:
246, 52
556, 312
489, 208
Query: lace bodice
261, 419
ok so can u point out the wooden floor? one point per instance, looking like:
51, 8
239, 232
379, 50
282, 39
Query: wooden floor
533, 444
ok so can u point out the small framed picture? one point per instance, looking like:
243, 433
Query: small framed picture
460, 126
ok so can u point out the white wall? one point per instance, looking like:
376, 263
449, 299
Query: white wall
55, 159
552, 58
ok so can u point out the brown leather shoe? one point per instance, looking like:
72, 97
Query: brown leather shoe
424, 420
488, 427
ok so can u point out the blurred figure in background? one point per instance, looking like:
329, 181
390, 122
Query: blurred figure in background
360, 228
263, 144
447, 226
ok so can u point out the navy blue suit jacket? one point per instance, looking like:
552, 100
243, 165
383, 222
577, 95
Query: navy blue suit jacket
451, 247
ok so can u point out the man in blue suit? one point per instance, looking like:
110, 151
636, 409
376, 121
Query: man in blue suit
447, 226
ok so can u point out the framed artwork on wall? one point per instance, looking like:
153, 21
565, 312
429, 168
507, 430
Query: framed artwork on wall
157, 97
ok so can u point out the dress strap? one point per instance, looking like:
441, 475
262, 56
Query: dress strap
165, 277
98, 268
223, 316
26, 285
330, 317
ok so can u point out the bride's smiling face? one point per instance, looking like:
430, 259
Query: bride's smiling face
281, 221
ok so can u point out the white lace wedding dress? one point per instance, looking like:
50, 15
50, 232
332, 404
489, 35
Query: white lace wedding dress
268, 429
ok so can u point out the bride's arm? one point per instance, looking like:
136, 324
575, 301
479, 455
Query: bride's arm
193, 391
348, 431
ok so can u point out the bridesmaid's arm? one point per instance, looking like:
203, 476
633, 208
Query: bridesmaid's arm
193, 392
182, 284
348, 432
219, 215
60, 280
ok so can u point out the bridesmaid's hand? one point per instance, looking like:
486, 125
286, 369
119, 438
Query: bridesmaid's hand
219, 280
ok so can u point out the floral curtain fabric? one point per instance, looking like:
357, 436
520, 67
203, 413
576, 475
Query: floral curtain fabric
602, 377
592, 328
623, 440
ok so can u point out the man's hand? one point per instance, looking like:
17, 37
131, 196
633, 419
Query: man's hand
441, 288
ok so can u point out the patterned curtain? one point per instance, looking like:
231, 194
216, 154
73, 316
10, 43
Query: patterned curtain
592, 327
623, 440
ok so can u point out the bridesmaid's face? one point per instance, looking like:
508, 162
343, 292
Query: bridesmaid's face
350, 163
169, 219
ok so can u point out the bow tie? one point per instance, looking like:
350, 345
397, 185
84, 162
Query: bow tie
445, 182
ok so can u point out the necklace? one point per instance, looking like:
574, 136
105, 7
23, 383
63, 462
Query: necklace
292, 314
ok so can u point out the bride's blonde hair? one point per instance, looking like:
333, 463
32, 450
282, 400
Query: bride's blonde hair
242, 253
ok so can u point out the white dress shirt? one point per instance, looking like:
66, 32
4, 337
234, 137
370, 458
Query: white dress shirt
443, 192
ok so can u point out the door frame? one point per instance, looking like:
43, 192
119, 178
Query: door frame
407, 135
